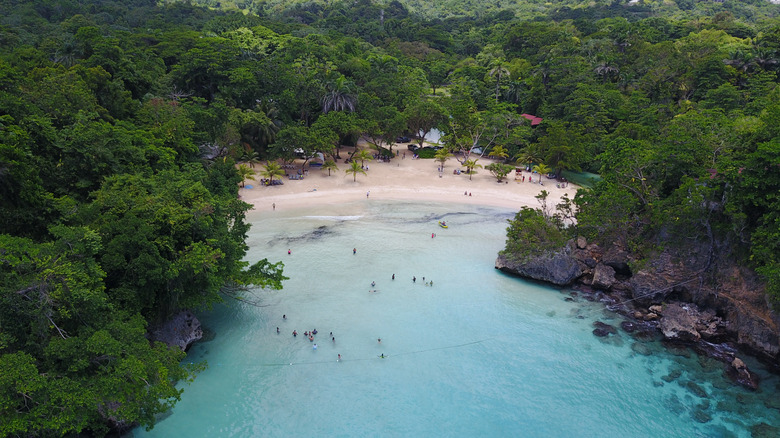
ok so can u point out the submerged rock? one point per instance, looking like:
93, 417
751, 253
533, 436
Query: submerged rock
603, 329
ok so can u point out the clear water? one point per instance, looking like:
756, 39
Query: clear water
478, 353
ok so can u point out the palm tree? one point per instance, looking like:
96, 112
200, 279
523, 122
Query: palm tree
339, 96
528, 157
606, 71
252, 158
271, 170
470, 165
330, 165
498, 71
362, 155
541, 169
354, 169
245, 173
500, 152
441, 156
267, 131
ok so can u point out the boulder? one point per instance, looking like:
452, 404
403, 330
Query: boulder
558, 267
742, 375
181, 330
679, 323
603, 276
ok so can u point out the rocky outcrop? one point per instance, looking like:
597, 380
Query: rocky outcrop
681, 294
685, 322
181, 330
557, 267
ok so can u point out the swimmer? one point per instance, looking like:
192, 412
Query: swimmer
331, 333
431, 283
311, 338
379, 340
314, 331
295, 333
414, 279
373, 283
433, 235
354, 250
382, 356
423, 278
339, 358
284, 316
333, 339
277, 330
393, 276
305, 333
314, 347
289, 252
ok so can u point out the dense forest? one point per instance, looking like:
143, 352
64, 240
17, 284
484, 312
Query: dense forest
121, 124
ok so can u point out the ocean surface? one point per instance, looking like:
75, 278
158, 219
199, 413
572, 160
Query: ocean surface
476, 354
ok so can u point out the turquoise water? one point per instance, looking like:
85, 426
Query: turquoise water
478, 353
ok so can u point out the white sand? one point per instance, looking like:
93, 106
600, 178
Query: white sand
402, 179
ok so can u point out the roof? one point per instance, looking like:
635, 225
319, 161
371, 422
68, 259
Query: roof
534, 120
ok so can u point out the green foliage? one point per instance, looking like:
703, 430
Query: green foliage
531, 233
120, 124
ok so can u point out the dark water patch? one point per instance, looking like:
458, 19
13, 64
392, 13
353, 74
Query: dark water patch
701, 416
318, 233
673, 404
763, 430
695, 389
673, 375
208, 335
641, 349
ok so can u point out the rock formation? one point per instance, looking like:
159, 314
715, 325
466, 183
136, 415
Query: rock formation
181, 330
677, 293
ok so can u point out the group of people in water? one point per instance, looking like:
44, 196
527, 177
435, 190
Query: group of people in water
414, 280
310, 334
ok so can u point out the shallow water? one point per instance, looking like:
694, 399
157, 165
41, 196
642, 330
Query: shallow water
478, 353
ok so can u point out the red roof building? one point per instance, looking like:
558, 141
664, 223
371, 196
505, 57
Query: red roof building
534, 120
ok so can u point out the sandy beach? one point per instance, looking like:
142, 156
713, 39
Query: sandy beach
401, 179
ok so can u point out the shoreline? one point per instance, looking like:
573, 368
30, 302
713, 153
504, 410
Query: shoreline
402, 179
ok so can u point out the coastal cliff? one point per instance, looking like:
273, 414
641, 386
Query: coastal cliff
714, 310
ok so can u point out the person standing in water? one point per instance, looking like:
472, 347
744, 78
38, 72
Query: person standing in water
354, 251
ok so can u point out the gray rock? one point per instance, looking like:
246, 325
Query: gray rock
181, 330
679, 323
558, 267
603, 276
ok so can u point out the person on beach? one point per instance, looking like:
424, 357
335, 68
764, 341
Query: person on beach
367, 193
274, 205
